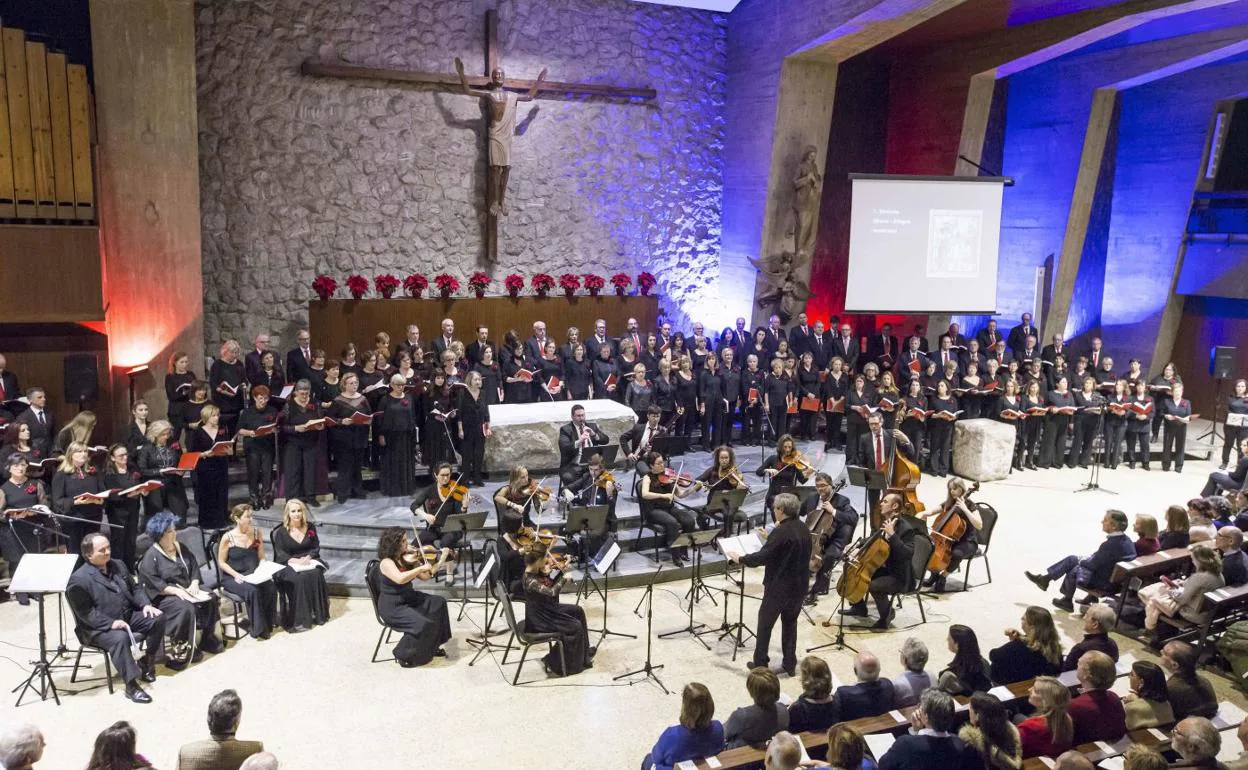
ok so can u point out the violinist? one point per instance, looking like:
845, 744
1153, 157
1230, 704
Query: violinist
832, 519
433, 504
636, 441
595, 486
956, 504
423, 618
895, 575
722, 475
659, 495
575, 439
785, 468
544, 613
516, 500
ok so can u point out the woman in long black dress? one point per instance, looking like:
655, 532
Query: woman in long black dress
300, 435
940, 429
170, 574
1091, 404
605, 374
302, 583
1008, 409
212, 474
474, 428
227, 377
121, 474
1033, 427
550, 371
136, 432
423, 619
178, 384
76, 477
21, 534
1236, 405
1116, 422
239, 554
350, 441
578, 374
1053, 452
857, 399
396, 428
158, 460
544, 613
807, 387
686, 396
259, 450
492, 377
912, 424
712, 394
439, 413
516, 389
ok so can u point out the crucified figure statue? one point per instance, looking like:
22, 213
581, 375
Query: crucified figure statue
502, 126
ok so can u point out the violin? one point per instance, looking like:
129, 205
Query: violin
538, 491
605, 480
797, 460
528, 538
454, 491
669, 476
425, 555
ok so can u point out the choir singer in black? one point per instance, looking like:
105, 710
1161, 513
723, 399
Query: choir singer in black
786, 558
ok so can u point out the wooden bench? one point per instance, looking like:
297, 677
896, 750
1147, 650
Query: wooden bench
1144, 567
1220, 608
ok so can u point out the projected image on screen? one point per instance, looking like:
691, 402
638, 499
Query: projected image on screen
953, 243
923, 245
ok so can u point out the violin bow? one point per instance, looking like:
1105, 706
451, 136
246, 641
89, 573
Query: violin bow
454, 484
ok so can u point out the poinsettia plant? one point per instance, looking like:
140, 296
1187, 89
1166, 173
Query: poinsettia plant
569, 282
357, 285
446, 283
513, 284
478, 281
415, 284
324, 286
594, 283
386, 284
645, 282
542, 283
621, 282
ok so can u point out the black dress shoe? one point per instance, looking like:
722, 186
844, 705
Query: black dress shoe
1064, 604
148, 673
439, 653
883, 624
1041, 581
855, 611
811, 600
136, 693
790, 670
212, 646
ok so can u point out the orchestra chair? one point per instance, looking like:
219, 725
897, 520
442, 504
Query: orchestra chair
918, 569
644, 524
989, 516
236, 602
192, 539
520, 635
371, 571
284, 611
83, 633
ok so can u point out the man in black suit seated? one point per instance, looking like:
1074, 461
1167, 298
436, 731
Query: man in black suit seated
875, 447
575, 439
882, 348
819, 348
846, 346
870, 696
1017, 338
299, 358
251, 362
441, 343
799, 336
41, 421
108, 604
931, 742
895, 575
1234, 480
832, 513
478, 346
1097, 622
989, 335
635, 442
1091, 571
595, 341
584, 490
786, 557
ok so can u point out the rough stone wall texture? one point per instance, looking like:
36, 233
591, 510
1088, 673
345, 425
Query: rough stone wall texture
302, 176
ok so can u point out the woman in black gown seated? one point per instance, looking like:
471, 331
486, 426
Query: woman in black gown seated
302, 583
423, 619
544, 613
239, 554
170, 574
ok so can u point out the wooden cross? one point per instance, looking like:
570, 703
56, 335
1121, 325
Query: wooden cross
339, 69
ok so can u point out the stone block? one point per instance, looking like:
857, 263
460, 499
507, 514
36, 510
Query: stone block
982, 449
528, 434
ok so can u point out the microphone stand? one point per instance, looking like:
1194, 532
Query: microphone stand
1094, 475
648, 668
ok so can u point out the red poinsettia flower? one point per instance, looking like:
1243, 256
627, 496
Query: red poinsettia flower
513, 283
478, 281
621, 280
357, 285
324, 286
415, 281
542, 282
646, 281
594, 282
385, 283
446, 282
569, 282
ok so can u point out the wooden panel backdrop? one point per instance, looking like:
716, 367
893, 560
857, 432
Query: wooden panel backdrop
336, 322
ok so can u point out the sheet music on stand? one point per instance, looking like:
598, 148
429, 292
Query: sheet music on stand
748, 543
606, 556
43, 573
484, 574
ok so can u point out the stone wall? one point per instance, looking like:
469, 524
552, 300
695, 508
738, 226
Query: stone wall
301, 176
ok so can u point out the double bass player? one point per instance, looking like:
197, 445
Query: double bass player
875, 450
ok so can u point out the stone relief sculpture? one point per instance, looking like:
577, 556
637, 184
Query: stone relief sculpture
807, 188
785, 293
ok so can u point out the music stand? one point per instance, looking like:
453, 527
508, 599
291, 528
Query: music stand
670, 446
697, 540
588, 521
465, 522
602, 562
802, 493
609, 453
729, 502
648, 668
870, 479
39, 574
487, 576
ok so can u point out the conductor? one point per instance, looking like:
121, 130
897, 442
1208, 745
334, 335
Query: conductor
108, 605
786, 559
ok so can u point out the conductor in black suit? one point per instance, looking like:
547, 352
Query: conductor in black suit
875, 448
575, 440
786, 559
105, 602
299, 359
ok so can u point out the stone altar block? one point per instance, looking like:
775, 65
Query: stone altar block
982, 449
528, 434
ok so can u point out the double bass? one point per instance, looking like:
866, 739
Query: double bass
947, 530
903, 479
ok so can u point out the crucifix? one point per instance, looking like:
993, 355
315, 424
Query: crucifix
503, 95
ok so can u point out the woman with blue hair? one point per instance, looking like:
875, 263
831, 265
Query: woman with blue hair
170, 573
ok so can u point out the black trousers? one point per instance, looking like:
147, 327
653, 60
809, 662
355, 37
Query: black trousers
1033, 430
299, 468
472, 449
940, 442
1081, 447
1234, 434
117, 643
1115, 435
1173, 443
259, 470
832, 553
713, 422
785, 609
832, 429
349, 462
853, 429
882, 590
673, 521
752, 424
1137, 446
779, 419
171, 497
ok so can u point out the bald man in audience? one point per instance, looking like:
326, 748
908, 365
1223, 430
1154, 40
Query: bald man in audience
1230, 542
21, 746
262, 761
869, 696
1197, 742
784, 752
1073, 760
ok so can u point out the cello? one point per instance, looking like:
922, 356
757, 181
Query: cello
820, 523
947, 531
903, 479
861, 560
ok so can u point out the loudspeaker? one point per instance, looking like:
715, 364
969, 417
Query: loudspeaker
1222, 362
81, 378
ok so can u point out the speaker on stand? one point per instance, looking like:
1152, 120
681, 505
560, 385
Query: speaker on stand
82, 379
1221, 368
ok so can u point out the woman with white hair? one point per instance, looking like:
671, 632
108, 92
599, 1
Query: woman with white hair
21, 746
226, 377
396, 430
170, 575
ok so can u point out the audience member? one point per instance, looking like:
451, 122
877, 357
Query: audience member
698, 734
1092, 571
754, 725
260, 761
1197, 743
1097, 621
1033, 651
867, 697
968, 671
1200, 514
1230, 542
222, 751
1176, 534
992, 734
1147, 705
1073, 760
930, 742
1223, 514
115, 749
1049, 731
1140, 757
814, 709
21, 746
1182, 597
846, 750
784, 752
913, 680
1241, 762
1190, 693
1097, 712
1145, 528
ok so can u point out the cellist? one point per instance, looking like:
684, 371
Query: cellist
895, 575
956, 504
832, 517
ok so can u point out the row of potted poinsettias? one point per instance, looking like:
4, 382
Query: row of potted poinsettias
448, 285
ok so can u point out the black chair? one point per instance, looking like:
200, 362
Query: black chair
984, 536
192, 539
525, 638
83, 634
918, 568
284, 590
371, 577
658, 529
236, 602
